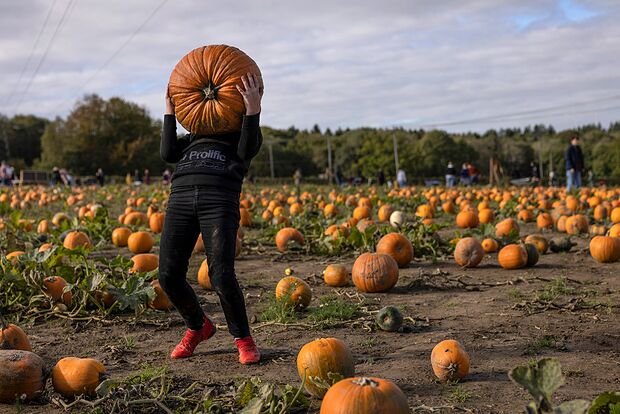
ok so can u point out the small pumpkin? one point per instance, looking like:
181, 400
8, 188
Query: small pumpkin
605, 249
295, 291
140, 242
287, 234
468, 252
397, 246
161, 301
156, 222
539, 241
54, 287
450, 361
145, 262
317, 359
512, 256
245, 219
120, 236
77, 376
614, 231
13, 337
76, 239
397, 219
22, 375
467, 219
577, 224
506, 227
561, 244
544, 221
375, 272
336, 275
490, 245
389, 319
486, 215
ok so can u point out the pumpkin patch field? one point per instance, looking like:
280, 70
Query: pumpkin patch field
361, 300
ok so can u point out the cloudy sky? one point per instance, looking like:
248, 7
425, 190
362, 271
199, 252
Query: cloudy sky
454, 64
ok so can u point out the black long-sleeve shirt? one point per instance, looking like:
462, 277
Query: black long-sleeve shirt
217, 160
574, 158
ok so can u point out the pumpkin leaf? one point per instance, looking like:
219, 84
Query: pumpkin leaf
541, 380
106, 387
606, 403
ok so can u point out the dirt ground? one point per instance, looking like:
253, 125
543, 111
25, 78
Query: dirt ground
491, 311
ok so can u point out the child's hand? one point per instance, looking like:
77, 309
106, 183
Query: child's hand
252, 93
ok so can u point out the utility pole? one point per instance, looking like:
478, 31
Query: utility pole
7, 150
396, 164
270, 144
329, 159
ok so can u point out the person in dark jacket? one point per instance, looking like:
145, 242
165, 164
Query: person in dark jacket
100, 177
204, 198
450, 175
380, 177
574, 164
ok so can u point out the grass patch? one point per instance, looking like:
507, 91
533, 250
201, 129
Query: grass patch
459, 395
333, 309
147, 372
558, 287
535, 347
278, 311
515, 294
369, 343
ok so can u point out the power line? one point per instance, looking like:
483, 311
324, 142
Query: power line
34, 47
117, 51
49, 46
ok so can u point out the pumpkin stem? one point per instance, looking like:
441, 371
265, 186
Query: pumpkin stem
365, 381
210, 91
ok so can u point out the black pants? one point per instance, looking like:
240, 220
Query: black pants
214, 212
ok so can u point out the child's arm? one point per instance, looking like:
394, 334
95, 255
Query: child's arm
251, 138
171, 147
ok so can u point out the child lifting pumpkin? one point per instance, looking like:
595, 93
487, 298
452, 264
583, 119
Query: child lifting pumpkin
220, 106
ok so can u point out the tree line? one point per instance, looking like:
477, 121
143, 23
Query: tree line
121, 136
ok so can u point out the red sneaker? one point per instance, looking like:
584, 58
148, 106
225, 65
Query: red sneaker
248, 353
192, 338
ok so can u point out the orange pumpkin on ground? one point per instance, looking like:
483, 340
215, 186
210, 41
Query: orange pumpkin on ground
287, 234
13, 337
512, 256
336, 275
577, 224
22, 375
397, 246
203, 88
467, 220
605, 249
140, 242
539, 241
145, 262
76, 239
490, 245
156, 222
54, 287
450, 361
364, 395
375, 272
203, 275
161, 301
120, 236
506, 227
295, 291
319, 358
76, 376
468, 252
544, 221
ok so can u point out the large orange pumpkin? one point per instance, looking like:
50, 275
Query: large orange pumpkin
161, 301
76, 239
145, 262
364, 395
287, 234
544, 221
605, 249
512, 256
397, 246
77, 376
203, 275
506, 227
120, 235
203, 88
320, 357
156, 222
577, 224
467, 220
375, 272
449, 360
22, 375
468, 252
140, 242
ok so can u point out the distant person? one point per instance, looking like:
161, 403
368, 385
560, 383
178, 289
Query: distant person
381, 177
339, 177
297, 177
9, 174
128, 180
473, 174
553, 180
464, 176
401, 178
137, 179
591, 178
100, 178
534, 172
574, 164
165, 177
147, 176
450, 175
56, 176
